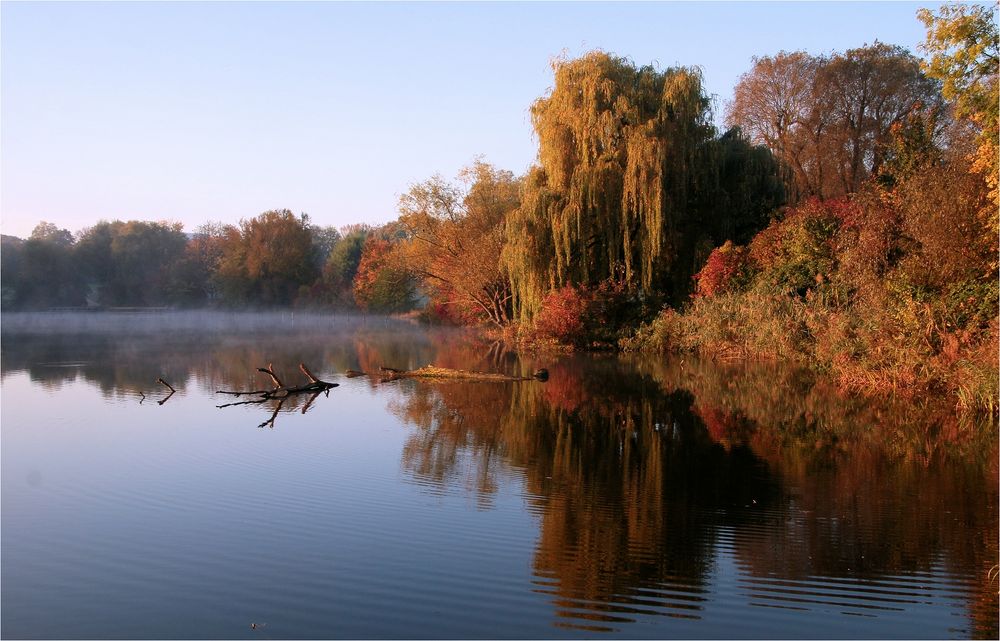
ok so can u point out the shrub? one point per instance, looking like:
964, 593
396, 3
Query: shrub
665, 333
563, 315
727, 269
797, 252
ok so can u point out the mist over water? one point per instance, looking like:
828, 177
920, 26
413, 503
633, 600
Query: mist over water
142, 323
625, 497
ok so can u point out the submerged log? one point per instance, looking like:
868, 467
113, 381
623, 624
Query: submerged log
391, 374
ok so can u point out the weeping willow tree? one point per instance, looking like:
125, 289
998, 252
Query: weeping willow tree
628, 167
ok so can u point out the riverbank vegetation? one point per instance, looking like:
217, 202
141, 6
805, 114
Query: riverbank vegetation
846, 218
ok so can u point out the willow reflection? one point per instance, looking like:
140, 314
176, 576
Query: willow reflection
639, 470
626, 507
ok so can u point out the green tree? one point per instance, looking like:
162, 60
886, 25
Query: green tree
11, 270
45, 274
49, 233
342, 263
93, 257
324, 240
144, 256
130, 263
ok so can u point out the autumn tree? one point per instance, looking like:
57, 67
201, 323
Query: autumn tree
774, 104
964, 47
868, 91
342, 263
381, 284
195, 278
628, 179
454, 238
269, 259
830, 119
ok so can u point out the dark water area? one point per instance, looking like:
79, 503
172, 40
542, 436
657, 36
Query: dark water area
623, 498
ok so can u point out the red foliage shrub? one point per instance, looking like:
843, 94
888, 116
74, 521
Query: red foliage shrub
564, 313
765, 248
724, 271
846, 211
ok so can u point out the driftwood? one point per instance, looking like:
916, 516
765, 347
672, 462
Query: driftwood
165, 398
387, 374
281, 392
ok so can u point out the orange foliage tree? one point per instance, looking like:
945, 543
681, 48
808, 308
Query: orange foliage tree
380, 285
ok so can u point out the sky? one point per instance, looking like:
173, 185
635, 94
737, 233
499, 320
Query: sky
197, 112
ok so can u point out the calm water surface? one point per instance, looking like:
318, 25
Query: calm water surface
625, 497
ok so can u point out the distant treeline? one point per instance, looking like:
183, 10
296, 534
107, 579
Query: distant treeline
848, 218
274, 259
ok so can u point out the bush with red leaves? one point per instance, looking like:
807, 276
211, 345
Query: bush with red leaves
727, 269
564, 315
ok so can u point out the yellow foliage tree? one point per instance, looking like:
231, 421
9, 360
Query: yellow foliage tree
964, 48
454, 240
631, 177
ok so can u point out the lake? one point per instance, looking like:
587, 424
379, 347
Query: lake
626, 497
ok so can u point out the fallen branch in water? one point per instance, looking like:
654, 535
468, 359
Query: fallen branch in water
280, 390
165, 398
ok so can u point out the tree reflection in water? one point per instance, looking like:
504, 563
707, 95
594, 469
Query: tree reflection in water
642, 471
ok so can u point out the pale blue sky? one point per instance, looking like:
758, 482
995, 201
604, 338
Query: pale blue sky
219, 111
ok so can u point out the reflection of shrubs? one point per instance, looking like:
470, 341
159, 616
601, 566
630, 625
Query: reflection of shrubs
566, 389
